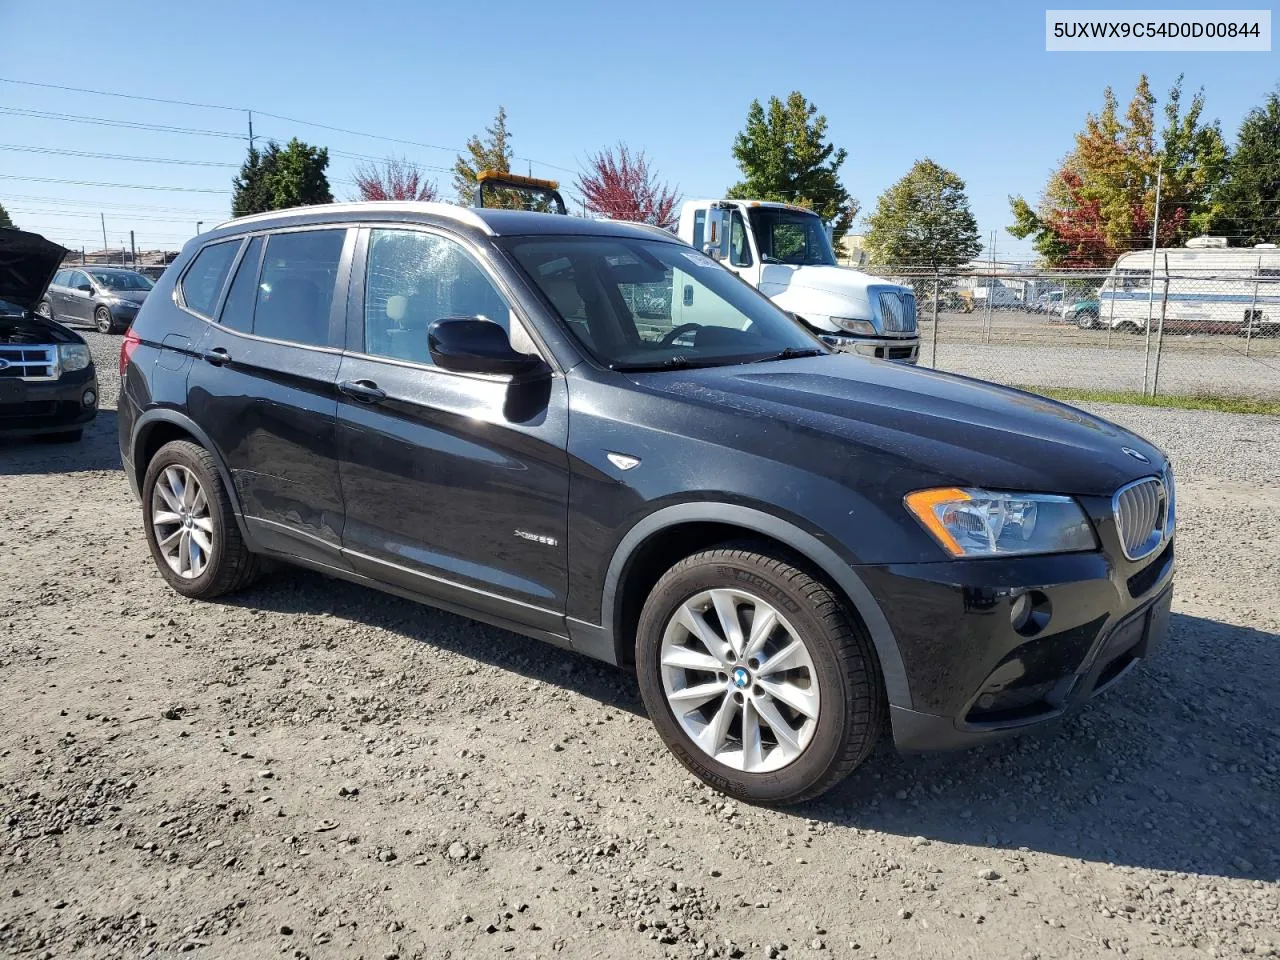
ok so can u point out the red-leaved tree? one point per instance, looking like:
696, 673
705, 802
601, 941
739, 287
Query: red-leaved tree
620, 185
394, 179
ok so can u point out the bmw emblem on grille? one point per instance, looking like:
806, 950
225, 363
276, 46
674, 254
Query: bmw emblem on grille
1135, 454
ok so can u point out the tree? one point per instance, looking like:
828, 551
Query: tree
250, 193
1247, 202
395, 179
491, 153
5, 219
299, 176
783, 155
621, 186
1100, 201
924, 220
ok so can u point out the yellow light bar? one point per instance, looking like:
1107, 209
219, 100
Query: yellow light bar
923, 504
516, 179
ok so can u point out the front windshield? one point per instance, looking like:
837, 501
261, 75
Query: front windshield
121, 280
791, 236
647, 304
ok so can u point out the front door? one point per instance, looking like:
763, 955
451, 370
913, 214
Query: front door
456, 486
264, 387
78, 303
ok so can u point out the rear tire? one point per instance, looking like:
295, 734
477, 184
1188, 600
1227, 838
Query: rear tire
773, 736
1087, 321
190, 524
45, 309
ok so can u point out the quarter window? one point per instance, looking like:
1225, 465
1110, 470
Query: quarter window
237, 311
202, 283
295, 294
414, 279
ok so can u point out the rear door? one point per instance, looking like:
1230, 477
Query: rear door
456, 485
264, 386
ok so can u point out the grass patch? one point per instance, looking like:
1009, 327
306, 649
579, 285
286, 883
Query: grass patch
1202, 401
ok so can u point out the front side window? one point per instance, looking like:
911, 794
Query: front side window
203, 281
739, 248
295, 295
646, 304
791, 236
414, 279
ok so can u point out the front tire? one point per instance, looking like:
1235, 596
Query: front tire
1087, 321
103, 322
190, 525
756, 676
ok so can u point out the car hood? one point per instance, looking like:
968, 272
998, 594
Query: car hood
33, 329
132, 296
841, 281
27, 263
914, 426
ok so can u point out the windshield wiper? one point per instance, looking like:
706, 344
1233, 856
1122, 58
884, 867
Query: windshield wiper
791, 353
678, 362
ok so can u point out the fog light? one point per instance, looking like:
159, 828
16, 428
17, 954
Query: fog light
1030, 613
90, 398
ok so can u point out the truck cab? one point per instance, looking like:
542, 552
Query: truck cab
785, 252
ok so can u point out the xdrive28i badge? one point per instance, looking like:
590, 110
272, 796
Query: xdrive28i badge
1135, 454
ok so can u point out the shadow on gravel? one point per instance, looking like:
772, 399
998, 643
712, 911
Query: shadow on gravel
99, 449
1175, 770
297, 591
1166, 772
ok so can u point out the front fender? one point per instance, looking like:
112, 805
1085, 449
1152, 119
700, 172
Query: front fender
804, 543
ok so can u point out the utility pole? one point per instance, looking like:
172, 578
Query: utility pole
106, 257
133, 250
1151, 290
199, 224
991, 287
250, 129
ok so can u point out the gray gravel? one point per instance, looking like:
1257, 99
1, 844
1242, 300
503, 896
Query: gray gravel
316, 770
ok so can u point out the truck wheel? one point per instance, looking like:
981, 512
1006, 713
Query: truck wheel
190, 526
756, 677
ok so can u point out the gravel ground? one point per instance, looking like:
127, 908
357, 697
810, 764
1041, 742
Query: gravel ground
1028, 349
314, 770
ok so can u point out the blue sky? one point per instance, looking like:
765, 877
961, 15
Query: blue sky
969, 85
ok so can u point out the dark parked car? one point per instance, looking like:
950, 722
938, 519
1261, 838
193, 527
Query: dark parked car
47, 381
107, 297
153, 271
791, 547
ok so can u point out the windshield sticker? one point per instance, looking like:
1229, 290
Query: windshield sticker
697, 259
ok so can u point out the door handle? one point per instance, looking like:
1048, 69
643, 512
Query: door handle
217, 356
366, 391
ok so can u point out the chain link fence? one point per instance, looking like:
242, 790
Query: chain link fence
1185, 332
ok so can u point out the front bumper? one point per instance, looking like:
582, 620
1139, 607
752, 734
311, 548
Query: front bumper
29, 407
975, 674
901, 349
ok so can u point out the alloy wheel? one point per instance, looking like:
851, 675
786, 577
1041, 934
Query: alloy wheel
181, 522
102, 320
739, 680
44, 310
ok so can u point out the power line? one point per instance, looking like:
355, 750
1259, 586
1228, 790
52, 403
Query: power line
127, 124
96, 205
58, 151
121, 186
124, 96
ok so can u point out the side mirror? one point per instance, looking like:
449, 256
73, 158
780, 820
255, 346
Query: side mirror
716, 233
84, 288
474, 345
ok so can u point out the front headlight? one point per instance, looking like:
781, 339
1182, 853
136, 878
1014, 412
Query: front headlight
73, 357
981, 523
864, 327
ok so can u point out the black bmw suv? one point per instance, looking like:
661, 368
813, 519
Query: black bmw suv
591, 434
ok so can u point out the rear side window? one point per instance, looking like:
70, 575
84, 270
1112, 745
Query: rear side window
203, 281
61, 277
237, 311
295, 294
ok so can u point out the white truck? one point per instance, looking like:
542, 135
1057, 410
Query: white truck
785, 252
